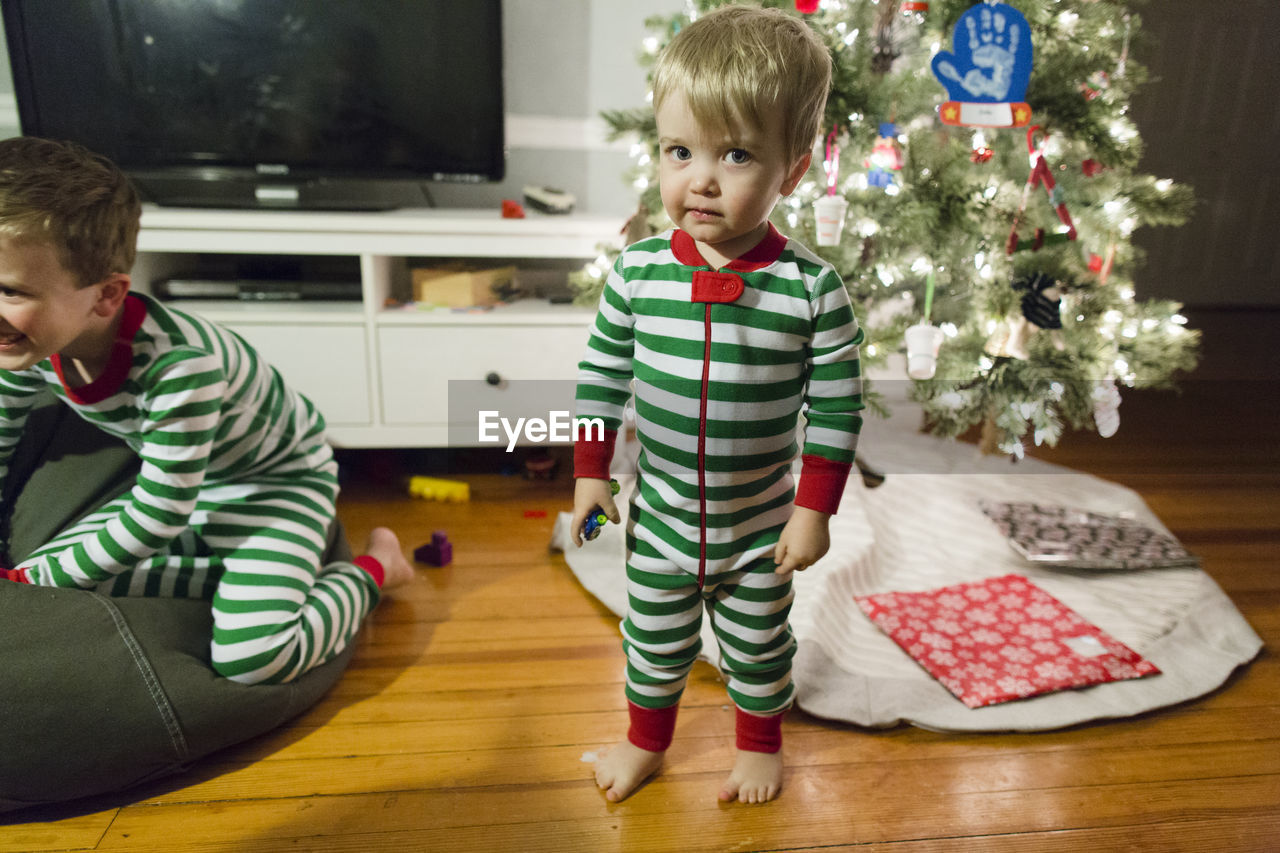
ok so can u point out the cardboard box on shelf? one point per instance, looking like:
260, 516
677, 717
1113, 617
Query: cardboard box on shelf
462, 285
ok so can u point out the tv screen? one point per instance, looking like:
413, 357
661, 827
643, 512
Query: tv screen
312, 103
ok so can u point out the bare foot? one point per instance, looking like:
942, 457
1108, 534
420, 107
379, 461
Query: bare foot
384, 546
756, 778
624, 768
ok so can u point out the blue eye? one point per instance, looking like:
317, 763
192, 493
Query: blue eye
738, 156
679, 152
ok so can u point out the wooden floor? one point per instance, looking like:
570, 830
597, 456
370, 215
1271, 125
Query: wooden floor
465, 719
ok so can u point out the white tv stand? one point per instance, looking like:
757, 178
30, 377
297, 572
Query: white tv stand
381, 374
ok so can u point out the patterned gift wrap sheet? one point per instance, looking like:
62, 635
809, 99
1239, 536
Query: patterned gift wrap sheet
1001, 639
1078, 539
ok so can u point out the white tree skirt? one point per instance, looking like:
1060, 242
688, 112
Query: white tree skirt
923, 529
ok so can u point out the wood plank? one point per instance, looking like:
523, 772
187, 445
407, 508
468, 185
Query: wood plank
574, 816
703, 736
479, 703
36, 834
1234, 834
450, 803
1255, 685
591, 729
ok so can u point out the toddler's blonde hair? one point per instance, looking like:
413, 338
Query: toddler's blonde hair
745, 61
79, 201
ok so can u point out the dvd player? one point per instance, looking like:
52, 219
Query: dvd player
257, 290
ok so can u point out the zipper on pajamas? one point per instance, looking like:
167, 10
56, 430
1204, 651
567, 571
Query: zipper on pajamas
708, 287
702, 447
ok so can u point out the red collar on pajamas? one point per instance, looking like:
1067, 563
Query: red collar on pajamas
121, 359
724, 285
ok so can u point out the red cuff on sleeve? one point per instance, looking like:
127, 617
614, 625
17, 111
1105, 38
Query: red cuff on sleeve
15, 575
821, 483
372, 566
593, 458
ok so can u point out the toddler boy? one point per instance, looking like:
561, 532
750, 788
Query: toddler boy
728, 331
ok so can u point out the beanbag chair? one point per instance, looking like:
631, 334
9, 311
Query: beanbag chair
97, 693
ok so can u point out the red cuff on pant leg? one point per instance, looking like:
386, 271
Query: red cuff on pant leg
759, 734
372, 566
652, 728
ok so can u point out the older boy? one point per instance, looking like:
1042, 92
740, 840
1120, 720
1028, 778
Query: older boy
729, 330
237, 486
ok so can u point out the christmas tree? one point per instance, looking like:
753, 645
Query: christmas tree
987, 166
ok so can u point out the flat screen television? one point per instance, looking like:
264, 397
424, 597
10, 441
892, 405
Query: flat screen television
340, 104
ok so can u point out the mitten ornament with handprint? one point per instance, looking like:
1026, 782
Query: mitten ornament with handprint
986, 77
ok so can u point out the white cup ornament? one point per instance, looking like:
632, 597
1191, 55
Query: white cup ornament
923, 341
829, 211
828, 215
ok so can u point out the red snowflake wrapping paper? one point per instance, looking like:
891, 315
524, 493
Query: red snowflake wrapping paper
1001, 639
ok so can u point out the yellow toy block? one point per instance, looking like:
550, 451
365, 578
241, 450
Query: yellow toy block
436, 489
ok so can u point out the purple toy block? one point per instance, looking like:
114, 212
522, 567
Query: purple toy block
437, 552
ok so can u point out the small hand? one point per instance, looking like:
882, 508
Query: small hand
803, 541
591, 495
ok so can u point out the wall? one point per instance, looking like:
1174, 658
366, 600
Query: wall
1209, 120
566, 61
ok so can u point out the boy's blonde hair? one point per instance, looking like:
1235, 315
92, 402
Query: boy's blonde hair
79, 201
745, 61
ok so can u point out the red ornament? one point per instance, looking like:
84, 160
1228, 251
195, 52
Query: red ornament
1091, 167
1098, 81
1040, 174
1102, 265
981, 155
911, 6
806, 7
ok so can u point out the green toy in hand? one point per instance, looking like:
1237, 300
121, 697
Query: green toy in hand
596, 518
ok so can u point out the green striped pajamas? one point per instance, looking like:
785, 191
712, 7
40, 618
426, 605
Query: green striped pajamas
233, 501
721, 365
748, 610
